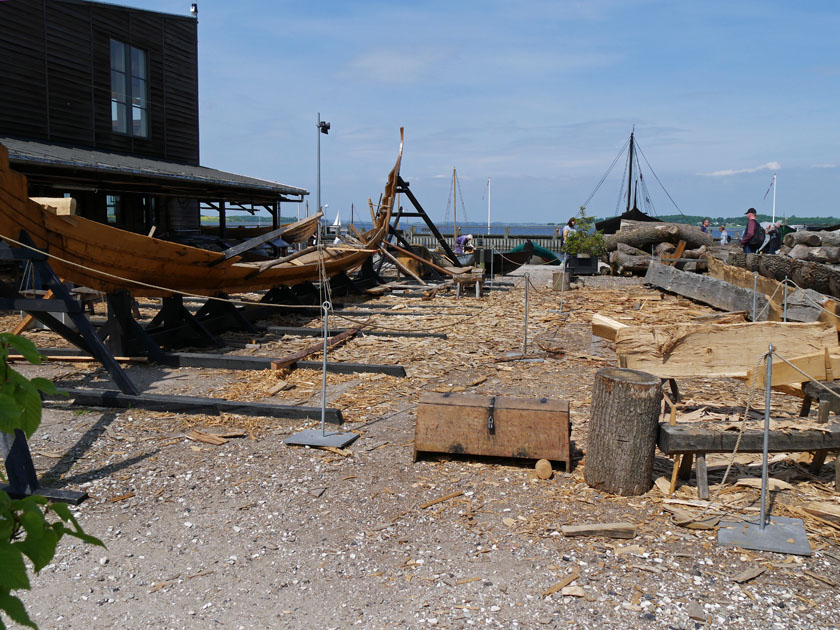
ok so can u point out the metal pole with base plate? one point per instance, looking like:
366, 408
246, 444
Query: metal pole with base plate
777, 533
313, 437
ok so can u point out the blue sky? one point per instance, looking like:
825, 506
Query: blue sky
537, 95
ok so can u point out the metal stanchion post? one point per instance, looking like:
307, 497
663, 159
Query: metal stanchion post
326, 306
784, 306
562, 288
313, 437
525, 344
492, 271
768, 379
778, 533
755, 291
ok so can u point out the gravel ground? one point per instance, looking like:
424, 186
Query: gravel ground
256, 534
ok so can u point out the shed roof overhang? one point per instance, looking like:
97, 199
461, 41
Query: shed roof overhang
64, 167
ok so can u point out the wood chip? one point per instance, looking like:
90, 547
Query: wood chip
561, 584
121, 497
466, 580
820, 578
207, 438
446, 497
612, 530
280, 386
748, 574
772, 484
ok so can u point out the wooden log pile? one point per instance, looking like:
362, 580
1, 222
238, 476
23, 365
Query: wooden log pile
806, 274
803, 305
636, 243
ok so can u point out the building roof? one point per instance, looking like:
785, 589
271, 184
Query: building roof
74, 167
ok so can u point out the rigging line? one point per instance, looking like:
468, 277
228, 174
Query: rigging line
609, 170
647, 200
621, 188
463, 207
448, 202
660, 183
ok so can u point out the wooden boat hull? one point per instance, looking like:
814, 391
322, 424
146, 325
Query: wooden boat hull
108, 259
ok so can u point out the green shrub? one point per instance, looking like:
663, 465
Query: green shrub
585, 239
25, 531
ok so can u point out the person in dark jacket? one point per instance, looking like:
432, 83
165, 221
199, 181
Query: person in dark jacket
750, 238
775, 240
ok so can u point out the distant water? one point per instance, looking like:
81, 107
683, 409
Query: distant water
514, 229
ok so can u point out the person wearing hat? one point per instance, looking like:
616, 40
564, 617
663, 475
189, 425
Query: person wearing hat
753, 236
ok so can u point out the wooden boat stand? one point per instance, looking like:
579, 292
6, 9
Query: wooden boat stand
402, 187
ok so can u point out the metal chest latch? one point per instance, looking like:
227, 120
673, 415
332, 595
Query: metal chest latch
491, 421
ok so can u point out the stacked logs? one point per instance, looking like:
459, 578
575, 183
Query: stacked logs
806, 274
819, 247
631, 247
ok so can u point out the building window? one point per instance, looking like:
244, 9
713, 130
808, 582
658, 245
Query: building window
113, 208
129, 90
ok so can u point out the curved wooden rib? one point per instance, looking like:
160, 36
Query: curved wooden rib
108, 259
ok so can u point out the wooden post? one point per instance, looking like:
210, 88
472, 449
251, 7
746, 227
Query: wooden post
622, 431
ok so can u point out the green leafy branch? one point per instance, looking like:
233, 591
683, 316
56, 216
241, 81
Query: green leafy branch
25, 531
585, 239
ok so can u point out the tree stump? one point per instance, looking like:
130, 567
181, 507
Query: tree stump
622, 431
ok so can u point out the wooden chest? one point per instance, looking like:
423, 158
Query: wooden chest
531, 428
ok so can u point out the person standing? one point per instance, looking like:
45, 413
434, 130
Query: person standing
775, 240
724, 235
568, 229
753, 236
704, 227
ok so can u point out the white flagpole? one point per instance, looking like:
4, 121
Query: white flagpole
774, 198
488, 206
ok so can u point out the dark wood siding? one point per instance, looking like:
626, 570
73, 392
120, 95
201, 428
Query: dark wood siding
23, 78
55, 76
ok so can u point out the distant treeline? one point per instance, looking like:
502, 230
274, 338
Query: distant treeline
241, 219
742, 221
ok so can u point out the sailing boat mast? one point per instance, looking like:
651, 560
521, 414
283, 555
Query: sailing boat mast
630, 172
454, 205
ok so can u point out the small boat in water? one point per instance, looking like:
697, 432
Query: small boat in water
108, 259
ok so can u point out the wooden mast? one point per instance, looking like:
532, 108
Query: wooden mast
630, 173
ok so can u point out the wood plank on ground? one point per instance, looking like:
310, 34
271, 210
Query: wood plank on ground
318, 347
716, 350
611, 530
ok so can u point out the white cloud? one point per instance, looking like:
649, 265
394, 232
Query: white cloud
395, 67
769, 166
827, 165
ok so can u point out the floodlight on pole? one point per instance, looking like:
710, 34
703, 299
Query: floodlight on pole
323, 128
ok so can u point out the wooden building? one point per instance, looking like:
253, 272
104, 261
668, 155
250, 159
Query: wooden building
100, 102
